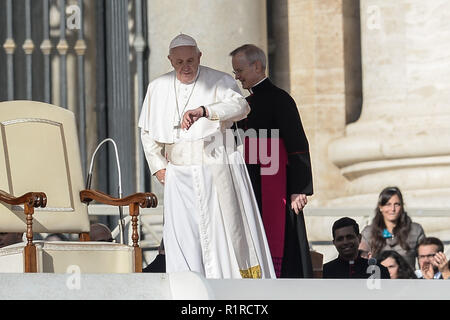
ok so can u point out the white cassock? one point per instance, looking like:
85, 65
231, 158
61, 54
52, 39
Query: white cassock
211, 220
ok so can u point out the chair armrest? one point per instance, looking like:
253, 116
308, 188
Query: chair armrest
134, 201
30, 201
145, 200
33, 199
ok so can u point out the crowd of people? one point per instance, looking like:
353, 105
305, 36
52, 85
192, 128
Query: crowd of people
392, 242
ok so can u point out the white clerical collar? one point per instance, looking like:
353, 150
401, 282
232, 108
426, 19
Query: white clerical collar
251, 89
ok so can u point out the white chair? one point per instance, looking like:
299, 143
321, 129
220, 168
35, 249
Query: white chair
42, 190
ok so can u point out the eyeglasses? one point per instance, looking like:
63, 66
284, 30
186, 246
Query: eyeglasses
428, 256
239, 71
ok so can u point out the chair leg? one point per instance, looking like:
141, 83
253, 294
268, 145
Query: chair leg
84, 236
134, 212
137, 259
30, 258
30, 248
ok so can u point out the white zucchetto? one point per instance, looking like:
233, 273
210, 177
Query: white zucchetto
182, 40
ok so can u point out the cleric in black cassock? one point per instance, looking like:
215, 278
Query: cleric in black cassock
281, 196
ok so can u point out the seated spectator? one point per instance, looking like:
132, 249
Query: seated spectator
391, 228
159, 263
432, 261
445, 269
349, 263
100, 232
56, 237
397, 266
9, 238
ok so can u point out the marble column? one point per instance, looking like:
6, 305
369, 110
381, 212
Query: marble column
316, 59
403, 134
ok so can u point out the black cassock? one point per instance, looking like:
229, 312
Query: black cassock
273, 108
358, 269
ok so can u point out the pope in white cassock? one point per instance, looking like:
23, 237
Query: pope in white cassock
211, 220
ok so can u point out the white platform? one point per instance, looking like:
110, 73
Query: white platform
190, 286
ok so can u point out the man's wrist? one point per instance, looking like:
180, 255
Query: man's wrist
204, 111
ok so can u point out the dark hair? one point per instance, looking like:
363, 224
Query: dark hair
345, 222
404, 269
429, 241
402, 228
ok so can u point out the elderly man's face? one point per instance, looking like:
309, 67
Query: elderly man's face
185, 60
244, 71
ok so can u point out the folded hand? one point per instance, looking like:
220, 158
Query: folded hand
298, 202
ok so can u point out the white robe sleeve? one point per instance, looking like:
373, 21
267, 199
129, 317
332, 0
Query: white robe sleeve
153, 151
230, 105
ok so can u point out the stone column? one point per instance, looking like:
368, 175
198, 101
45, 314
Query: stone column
403, 135
218, 27
316, 60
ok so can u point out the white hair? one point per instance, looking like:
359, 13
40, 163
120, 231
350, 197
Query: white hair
252, 54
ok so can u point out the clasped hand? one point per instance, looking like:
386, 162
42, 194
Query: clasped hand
191, 116
439, 261
298, 202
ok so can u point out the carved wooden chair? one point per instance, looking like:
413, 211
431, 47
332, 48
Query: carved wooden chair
42, 190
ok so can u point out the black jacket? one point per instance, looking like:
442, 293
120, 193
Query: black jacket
342, 269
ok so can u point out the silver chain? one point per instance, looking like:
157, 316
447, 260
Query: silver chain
176, 95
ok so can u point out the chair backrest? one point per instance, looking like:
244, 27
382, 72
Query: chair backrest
39, 152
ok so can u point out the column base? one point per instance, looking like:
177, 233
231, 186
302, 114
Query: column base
411, 153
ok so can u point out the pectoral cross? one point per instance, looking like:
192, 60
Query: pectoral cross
177, 128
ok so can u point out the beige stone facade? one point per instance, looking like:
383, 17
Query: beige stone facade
371, 79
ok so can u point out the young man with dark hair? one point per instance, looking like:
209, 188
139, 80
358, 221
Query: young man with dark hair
349, 263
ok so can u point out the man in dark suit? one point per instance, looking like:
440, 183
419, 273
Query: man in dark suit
349, 263
281, 185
